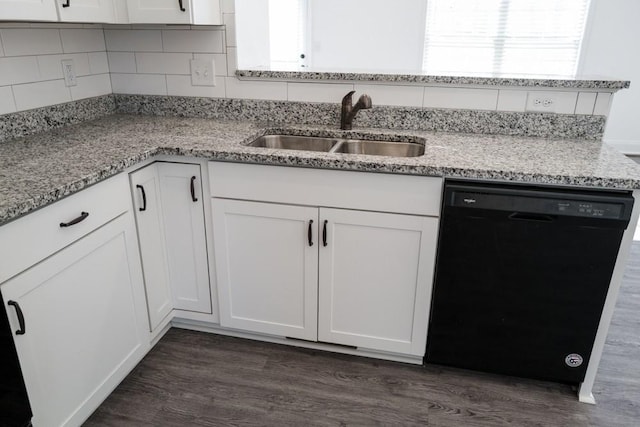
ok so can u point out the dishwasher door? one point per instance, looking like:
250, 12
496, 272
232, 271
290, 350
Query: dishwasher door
521, 278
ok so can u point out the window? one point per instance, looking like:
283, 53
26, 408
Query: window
287, 28
504, 37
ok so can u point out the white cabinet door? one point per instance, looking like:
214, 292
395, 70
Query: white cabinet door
145, 186
184, 231
200, 12
376, 277
84, 321
86, 10
266, 267
159, 11
28, 10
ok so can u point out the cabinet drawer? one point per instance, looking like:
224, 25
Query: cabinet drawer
409, 194
38, 235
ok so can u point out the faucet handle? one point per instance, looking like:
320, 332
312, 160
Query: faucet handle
364, 102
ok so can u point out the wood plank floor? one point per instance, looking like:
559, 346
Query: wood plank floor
192, 378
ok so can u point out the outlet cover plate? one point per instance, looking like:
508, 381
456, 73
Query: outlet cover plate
69, 72
203, 72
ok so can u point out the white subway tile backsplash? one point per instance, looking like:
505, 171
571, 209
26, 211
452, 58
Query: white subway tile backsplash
122, 62
230, 29
41, 94
317, 92
82, 40
181, 86
90, 86
51, 65
512, 100
98, 62
163, 63
139, 84
21, 69
155, 60
7, 104
586, 102
133, 40
408, 96
470, 99
30, 41
192, 41
559, 102
232, 61
603, 103
251, 89
219, 59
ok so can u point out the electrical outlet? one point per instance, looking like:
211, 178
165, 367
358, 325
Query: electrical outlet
69, 72
541, 101
203, 72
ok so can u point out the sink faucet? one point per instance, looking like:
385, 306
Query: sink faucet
349, 111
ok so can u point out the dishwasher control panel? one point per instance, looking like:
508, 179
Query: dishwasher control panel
618, 208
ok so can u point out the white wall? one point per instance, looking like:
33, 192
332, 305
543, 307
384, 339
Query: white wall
31, 69
612, 49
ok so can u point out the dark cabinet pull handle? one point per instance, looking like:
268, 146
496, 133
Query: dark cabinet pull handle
144, 198
22, 329
181, 8
310, 233
193, 189
324, 233
66, 4
81, 218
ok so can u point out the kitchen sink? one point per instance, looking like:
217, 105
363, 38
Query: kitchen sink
292, 142
339, 145
379, 148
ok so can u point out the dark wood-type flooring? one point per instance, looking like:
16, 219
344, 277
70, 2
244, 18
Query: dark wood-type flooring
200, 379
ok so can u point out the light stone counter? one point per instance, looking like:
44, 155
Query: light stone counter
42, 168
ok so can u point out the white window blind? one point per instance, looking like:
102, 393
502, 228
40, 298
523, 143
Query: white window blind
504, 37
287, 33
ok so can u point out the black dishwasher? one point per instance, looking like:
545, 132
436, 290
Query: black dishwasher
522, 274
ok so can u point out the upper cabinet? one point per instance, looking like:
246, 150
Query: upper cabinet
198, 12
28, 10
86, 10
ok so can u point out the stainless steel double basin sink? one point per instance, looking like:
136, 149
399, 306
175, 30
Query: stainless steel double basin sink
340, 145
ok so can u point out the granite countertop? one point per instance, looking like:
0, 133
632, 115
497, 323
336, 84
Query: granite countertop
42, 168
589, 82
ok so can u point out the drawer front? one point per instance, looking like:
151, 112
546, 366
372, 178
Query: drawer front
408, 194
30, 239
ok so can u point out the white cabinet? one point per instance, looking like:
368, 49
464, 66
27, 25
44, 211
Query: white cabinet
199, 12
368, 273
28, 10
169, 212
86, 10
145, 186
84, 323
370, 288
267, 264
185, 236
375, 280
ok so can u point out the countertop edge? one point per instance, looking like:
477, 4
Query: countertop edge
275, 159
